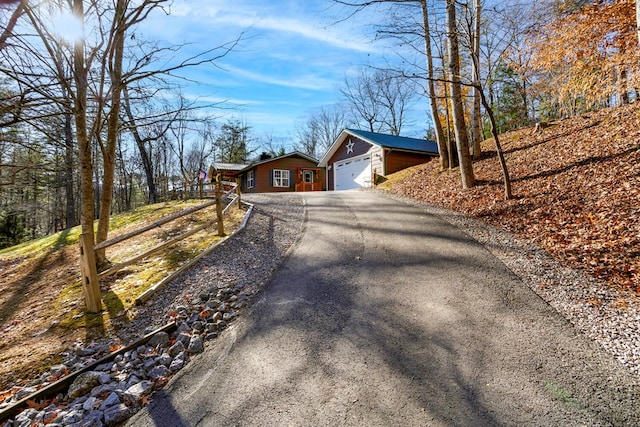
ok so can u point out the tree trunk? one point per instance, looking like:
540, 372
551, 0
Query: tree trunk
437, 126
147, 163
494, 132
69, 157
494, 129
87, 213
90, 286
460, 128
109, 153
476, 118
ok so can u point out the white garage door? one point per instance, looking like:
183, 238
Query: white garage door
353, 173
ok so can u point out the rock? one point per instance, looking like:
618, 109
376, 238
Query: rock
221, 324
183, 327
83, 352
116, 414
178, 362
105, 367
133, 380
196, 345
57, 370
72, 416
24, 392
164, 359
184, 338
159, 371
104, 378
26, 416
83, 384
89, 403
92, 419
103, 389
149, 364
198, 326
216, 316
112, 399
228, 316
176, 349
136, 391
160, 339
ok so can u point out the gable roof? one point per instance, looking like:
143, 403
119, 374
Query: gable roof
229, 166
384, 140
294, 153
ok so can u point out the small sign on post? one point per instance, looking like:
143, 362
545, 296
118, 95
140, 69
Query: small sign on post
89, 272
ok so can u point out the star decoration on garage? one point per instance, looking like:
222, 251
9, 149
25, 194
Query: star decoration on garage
350, 147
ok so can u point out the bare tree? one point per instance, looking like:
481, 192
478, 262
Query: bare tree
460, 128
445, 158
379, 98
320, 130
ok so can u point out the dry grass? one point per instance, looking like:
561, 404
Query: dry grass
41, 301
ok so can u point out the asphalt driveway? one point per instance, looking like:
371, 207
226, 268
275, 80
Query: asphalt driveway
385, 315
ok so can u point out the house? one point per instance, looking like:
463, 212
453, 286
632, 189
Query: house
357, 157
291, 172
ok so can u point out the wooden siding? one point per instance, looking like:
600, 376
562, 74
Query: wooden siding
398, 160
263, 175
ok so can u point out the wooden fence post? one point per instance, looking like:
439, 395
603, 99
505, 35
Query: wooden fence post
239, 192
89, 272
219, 210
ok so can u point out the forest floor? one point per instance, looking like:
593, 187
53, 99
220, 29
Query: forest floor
576, 189
41, 301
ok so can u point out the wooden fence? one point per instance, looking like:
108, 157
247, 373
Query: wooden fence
88, 267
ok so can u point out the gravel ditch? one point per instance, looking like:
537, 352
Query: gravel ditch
247, 259
606, 315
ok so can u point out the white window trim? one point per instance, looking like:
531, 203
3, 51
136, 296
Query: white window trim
281, 178
250, 179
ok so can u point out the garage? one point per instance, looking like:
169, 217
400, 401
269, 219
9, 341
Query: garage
353, 173
358, 157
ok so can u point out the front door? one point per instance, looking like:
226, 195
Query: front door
307, 176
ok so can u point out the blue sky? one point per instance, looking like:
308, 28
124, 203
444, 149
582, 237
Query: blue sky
292, 60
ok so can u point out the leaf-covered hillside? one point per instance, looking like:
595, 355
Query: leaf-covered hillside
576, 188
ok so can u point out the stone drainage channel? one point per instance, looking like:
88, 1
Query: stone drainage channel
108, 391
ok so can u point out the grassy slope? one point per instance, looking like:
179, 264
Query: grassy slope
41, 301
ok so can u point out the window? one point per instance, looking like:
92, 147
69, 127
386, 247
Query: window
280, 178
250, 179
307, 176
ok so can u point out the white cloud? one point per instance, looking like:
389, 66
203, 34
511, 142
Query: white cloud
297, 27
301, 82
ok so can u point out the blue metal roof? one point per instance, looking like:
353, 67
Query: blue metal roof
397, 142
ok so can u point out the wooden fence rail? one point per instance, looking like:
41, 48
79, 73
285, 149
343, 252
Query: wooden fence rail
88, 267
